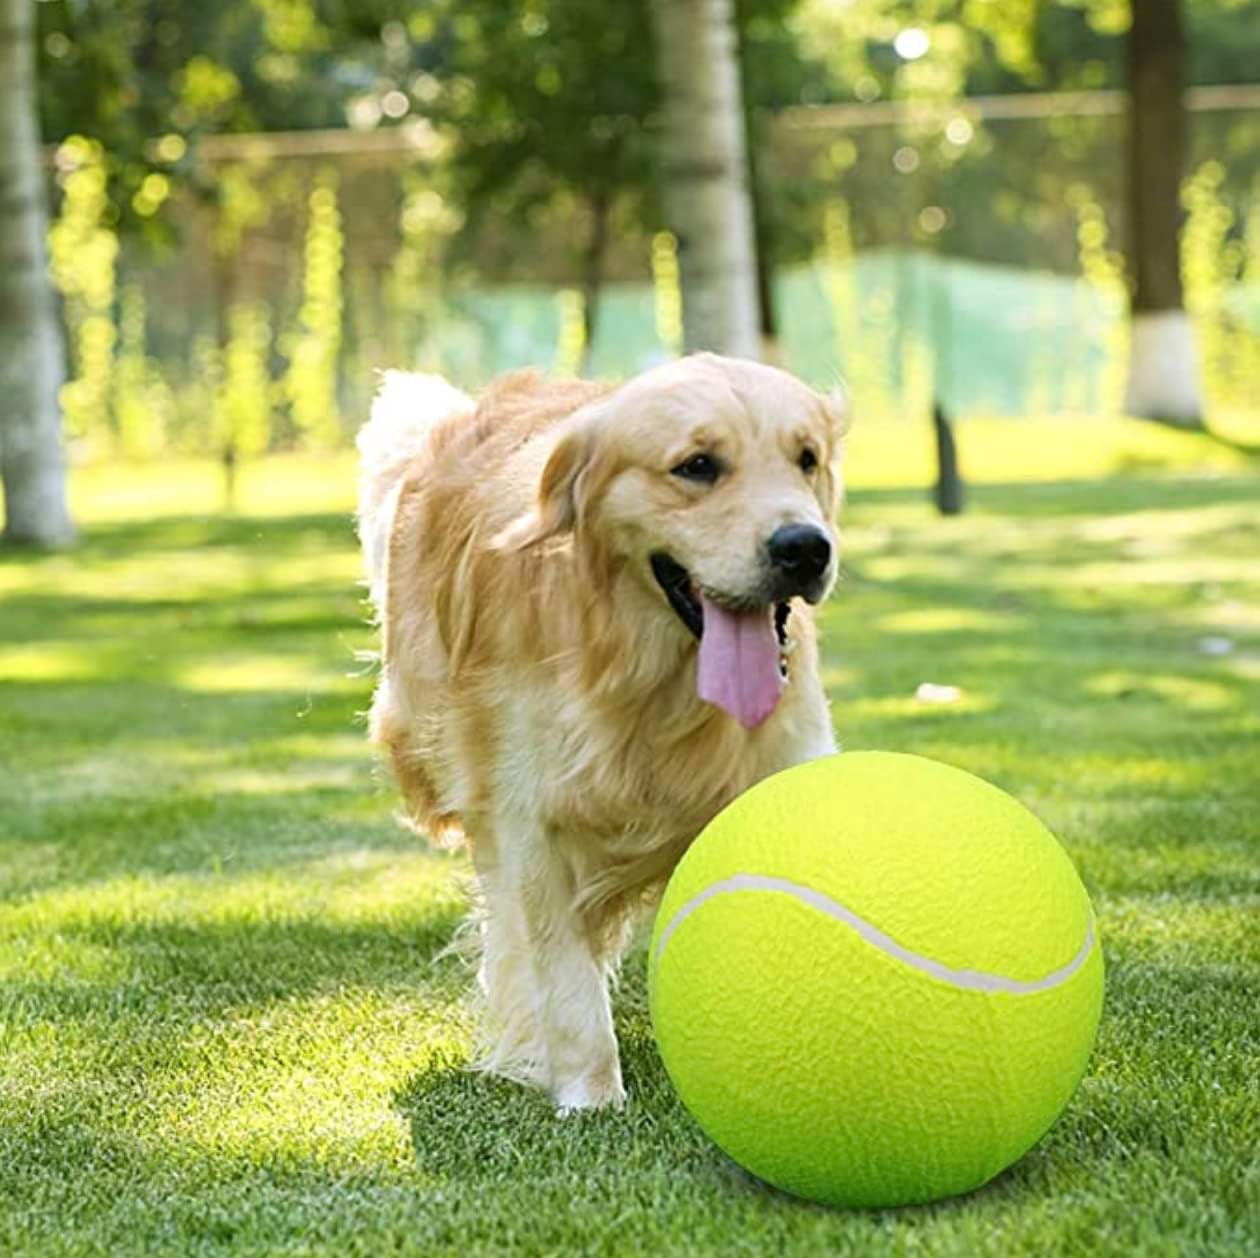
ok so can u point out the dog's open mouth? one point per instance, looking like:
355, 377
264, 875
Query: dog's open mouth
676, 581
743, 665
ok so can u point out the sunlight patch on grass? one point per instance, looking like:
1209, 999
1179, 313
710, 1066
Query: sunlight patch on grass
944, 620
196, 578
118, 772
1188, 571
281, 484
1246, 667
835, 677
879, 454
284, 780
362, 885
1158, 525
351, 743
968, 703
1172, 929
1124, 771
1201, 863
46, 661
260, 672
1003, 450
1195, 693
313, 1077
224, 1021
54, 957
1178, 570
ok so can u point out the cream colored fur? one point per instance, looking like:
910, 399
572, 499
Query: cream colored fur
537, 693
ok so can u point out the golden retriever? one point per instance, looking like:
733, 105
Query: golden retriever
596, 628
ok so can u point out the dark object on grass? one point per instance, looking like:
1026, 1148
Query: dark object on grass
229, 460
949, 486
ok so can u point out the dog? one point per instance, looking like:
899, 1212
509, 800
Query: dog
596, 614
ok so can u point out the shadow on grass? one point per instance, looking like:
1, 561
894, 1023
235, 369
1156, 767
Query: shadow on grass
134, 730
483, 1132
117, 766
193, 970
472, 1128
278, 534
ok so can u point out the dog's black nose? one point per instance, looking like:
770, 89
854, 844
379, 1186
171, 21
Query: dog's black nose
800, 552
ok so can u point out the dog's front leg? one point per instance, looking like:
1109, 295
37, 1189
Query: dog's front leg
571, 1001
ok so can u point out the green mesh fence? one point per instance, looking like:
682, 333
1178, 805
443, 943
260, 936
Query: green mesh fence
903, 328
987, 276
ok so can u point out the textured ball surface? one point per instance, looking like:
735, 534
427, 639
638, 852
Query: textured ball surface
875, 980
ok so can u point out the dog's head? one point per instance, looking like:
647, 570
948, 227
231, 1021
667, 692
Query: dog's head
715, 482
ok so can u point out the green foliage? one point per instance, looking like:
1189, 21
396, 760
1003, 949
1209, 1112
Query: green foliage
83, 249
537, 119
508, 82
143, 405
571, 346
667, 292
1103, 271
428, 217
866, 368
985, 46
312, 348
1217, 259
965, 37
243, 407
244, 202
146, 78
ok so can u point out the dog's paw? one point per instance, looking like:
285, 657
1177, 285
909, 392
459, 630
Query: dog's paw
590, 1093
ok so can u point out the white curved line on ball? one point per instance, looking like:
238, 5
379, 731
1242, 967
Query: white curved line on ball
971, 980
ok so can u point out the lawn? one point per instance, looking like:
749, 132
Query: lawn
223, 1026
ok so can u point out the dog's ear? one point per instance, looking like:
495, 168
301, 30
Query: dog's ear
839, 417
559, 491
835, 405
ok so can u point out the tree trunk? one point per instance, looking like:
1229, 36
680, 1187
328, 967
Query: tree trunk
763, 227
593, 268
948, 492
1163, 378
32, 465
705, 175
224, 271
763, 251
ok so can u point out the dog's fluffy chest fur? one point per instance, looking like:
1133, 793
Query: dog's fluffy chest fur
658, 771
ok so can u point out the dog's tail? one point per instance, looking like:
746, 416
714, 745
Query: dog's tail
406, 411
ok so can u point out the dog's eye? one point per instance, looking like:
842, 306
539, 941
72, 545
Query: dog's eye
701, 467
808, 460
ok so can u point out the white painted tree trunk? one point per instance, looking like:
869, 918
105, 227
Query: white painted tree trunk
32, 465
1163, 378
705, 172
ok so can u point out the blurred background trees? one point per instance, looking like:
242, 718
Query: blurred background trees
705, 175
259, 202
31, 463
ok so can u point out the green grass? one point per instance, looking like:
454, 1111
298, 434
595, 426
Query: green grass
222, 1026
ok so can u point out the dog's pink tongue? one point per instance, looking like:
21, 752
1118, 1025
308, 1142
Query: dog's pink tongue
739, 663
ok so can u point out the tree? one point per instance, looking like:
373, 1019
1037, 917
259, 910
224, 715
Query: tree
32, 464
1163, 380
704, 173
545, 103
148, 78
982, 46
776, 74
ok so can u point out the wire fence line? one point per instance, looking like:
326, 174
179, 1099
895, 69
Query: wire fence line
970, 251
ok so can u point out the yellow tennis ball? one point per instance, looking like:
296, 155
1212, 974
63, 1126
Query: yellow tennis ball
875, 980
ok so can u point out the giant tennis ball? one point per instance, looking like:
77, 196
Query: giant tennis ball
875, 980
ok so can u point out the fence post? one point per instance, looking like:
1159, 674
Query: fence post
949, 484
